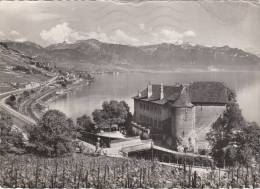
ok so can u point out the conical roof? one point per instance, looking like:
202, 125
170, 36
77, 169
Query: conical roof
183, 100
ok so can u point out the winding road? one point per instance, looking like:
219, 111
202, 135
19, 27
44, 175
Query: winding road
19, 118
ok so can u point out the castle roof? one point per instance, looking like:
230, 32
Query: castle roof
187, 95
183, 100
208, 92
171, 93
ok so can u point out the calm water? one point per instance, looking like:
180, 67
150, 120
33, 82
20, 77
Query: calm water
125, 85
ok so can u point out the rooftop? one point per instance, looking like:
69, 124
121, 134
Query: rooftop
202, 92
113, 134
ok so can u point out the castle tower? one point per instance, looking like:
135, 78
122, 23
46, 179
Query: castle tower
183, 120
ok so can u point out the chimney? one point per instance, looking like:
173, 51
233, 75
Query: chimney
139, 94
162, 93
149, 90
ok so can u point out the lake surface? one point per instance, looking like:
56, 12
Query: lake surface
123, 86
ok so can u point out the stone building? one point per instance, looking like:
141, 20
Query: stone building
180, 115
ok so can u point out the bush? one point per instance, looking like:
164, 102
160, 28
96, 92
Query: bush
53, 135
10, 140
11, 101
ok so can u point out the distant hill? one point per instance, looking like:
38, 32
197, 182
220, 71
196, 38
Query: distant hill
18, 69
85, 54
10, 56
21, 56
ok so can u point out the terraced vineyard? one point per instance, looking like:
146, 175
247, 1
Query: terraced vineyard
105, 172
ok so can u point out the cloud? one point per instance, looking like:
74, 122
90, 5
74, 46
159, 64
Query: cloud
123, 38
63, 32
190, 33
15, 33
22, 39
60, 33
117, 36
170, 36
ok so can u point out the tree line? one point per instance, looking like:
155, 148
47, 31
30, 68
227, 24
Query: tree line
55, 134
233, 140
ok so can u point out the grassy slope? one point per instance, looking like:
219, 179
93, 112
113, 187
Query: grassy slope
9, 57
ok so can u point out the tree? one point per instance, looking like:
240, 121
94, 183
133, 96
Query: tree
53, 136
112, 112
11, 101
26, 94
10, 140
85, 124
248, 142
222, 134
129, 118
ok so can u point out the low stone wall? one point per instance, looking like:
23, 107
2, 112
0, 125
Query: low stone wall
205, 117
138, 130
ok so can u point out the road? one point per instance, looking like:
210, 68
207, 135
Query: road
20, 119
27, 106
24, 119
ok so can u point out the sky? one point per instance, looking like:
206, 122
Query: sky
210, 23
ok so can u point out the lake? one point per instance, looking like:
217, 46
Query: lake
123, 86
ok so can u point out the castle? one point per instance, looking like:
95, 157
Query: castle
180, 115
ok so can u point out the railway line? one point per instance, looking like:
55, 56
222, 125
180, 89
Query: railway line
20, 118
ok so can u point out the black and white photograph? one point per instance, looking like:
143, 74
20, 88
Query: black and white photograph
130, 94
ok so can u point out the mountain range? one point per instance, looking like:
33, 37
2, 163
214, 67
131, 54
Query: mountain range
93, 54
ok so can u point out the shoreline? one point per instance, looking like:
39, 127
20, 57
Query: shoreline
178, 70
55, 94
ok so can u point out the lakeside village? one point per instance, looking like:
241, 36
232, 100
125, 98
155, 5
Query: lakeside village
181, 135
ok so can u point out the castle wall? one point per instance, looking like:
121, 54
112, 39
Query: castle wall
191, 124
150, 114
183, 125
206, 115
154, 116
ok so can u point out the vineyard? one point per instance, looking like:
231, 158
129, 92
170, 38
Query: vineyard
81, 171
